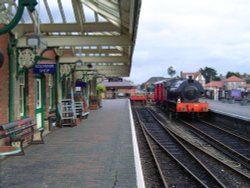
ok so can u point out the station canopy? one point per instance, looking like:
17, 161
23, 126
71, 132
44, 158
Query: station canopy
92, 34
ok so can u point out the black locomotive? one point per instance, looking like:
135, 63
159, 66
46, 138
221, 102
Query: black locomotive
180, 95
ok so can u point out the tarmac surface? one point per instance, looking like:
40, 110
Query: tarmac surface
96, 154
234, 110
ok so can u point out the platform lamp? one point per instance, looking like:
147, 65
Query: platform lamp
89, 65
100, 78
79, 63
91, 74
35, 41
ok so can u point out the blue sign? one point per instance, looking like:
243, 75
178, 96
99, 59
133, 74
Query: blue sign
44, 68
80, 84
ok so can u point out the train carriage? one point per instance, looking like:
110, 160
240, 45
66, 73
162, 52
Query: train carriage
159, 92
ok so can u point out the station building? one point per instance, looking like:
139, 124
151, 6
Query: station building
46, 55
119, 88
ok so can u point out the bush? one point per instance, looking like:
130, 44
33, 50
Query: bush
100, 88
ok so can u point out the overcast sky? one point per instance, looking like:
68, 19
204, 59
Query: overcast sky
191, 34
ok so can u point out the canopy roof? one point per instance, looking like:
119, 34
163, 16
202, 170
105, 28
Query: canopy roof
97, 32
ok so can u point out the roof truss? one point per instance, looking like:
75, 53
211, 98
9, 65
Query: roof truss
94, 31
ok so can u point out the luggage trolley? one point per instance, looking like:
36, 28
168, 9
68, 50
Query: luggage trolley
67, 112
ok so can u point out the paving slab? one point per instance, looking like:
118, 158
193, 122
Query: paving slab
97, 153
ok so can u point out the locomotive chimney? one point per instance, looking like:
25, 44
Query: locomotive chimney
190, 80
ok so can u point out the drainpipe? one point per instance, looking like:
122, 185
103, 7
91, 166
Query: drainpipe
11, 44
57, 85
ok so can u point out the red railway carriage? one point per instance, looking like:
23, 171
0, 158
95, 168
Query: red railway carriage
159, 91
142, 98
138, 99
180, 96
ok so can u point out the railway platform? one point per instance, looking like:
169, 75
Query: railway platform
97, 153
234, 110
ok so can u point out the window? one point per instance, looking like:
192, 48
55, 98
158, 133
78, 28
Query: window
51, 92
38, 93
21, 80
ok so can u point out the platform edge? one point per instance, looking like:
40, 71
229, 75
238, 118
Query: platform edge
138, 167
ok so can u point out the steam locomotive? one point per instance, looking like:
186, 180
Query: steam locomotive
180, 96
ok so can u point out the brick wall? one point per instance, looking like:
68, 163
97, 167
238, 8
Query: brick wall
4, 81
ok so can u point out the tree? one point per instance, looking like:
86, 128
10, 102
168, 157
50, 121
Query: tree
229, 74
217, 78
171, 71
209, 74
100, 88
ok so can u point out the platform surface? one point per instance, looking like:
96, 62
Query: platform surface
96, 154
234, 110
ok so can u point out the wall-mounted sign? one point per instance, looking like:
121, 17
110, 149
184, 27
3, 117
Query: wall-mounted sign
80, 84
44, 68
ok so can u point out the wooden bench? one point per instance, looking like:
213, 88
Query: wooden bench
21, 131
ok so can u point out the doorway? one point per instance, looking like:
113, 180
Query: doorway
39, 102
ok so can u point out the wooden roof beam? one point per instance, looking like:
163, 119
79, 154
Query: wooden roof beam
92, 40
69, 27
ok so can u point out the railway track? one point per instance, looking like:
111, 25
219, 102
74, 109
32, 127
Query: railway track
221, 170
191, 170
232, 128
152, 177
233, 145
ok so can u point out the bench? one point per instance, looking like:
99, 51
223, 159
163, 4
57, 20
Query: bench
20, 131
